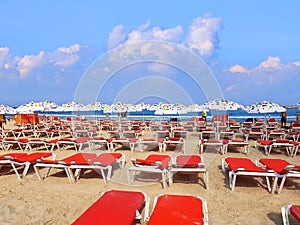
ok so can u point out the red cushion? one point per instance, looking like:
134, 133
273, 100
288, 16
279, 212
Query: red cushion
12, 155
104, 159
243, 163
66, 139
176, 209
23, 140
160, 140
188, 160
133, 139
282, 141
82, 139
33, 157
174, 138
236, 140
98, 138
278, 165
164, 159
264, 142
148, 139
53, 141
295, 211
145, 162
113, 208
79, 158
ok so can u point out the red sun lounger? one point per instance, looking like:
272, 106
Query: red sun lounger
103, 162
293, 210
152, 164
78, 158
245, 167
114, 208
284, 168
24, 160
188, 164
178, 209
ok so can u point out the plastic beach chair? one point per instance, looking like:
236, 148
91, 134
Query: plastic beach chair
287, 210
188, 164
24, 160
245, 167
282, 167
152, 164
178, 209
114, 207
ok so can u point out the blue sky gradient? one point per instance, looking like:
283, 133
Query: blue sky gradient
252, 47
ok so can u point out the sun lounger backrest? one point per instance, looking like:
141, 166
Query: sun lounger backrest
278, 165
113, 208
176, 209
78, 158
188, 160
243, 163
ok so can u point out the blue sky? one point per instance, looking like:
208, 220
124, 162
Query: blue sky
252, 47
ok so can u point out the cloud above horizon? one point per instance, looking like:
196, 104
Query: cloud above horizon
268, 76
202, 37
61, 59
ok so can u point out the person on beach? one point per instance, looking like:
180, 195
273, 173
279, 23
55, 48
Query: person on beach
204, 114
283, 119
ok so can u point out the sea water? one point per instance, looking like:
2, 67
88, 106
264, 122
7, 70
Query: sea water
238, 115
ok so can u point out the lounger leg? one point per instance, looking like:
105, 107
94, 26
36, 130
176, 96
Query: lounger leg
37, 171
281, 185
70, 175
270, 149
269, 186
232, 180
206, 180
128, 177
77, 174
16, 171
163, 176
171, 174
285, 211
109, 170
25, 171
48, 172
103, 175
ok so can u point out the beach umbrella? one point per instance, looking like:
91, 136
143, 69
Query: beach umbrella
119, 107
71, 107
30, 107
222, 104
264, 107
5, 109
48, 105
197, 108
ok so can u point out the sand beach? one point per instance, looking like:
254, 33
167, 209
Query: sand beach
56, 201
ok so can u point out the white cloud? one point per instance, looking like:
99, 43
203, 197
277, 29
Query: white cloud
30, 62
16, 67
238, 69
297, 63
272, 63
66, 56
120, 35
116, 36
203, 35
